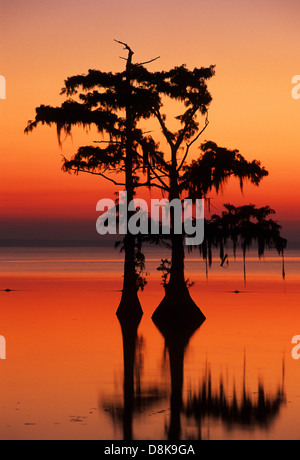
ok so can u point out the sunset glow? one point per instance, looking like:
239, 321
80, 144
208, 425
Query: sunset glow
253, 45
117, 339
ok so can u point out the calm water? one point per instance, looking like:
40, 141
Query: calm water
64, 373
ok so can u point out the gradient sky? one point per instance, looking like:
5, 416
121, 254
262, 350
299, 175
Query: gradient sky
254, 45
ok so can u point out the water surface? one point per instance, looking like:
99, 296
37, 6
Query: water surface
64, 373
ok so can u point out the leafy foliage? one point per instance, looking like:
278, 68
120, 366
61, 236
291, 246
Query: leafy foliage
114, 103
214, 168
165, 268
243, 227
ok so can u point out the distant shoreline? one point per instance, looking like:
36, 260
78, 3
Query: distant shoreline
101, 243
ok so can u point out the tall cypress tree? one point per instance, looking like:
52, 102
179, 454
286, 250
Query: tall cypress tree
113, 103
181, 178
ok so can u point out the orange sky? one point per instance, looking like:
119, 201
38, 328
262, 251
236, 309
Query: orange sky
254, 45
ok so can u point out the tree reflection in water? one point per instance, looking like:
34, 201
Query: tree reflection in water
137, 397
246, 410
210, 401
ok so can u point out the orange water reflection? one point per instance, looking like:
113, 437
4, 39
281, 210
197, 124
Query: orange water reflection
64, 373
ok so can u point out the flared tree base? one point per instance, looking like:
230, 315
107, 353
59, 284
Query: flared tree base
178, 315
130, 309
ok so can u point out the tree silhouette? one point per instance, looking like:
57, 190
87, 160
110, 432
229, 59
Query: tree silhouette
113, 103
243, 226
180, 179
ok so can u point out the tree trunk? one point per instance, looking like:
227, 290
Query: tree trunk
130, 306
177, 279
177, 310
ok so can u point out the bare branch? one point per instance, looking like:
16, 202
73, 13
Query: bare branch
186, 126
164, 128
77, 170
165, 186
126, 47
148, 62
152, 184
192, 142
161, 170
107, 142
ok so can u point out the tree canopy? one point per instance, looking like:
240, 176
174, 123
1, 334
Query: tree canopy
115, 104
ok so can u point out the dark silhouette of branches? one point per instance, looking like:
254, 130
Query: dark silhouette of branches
113, 104
214, 168
243, 227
